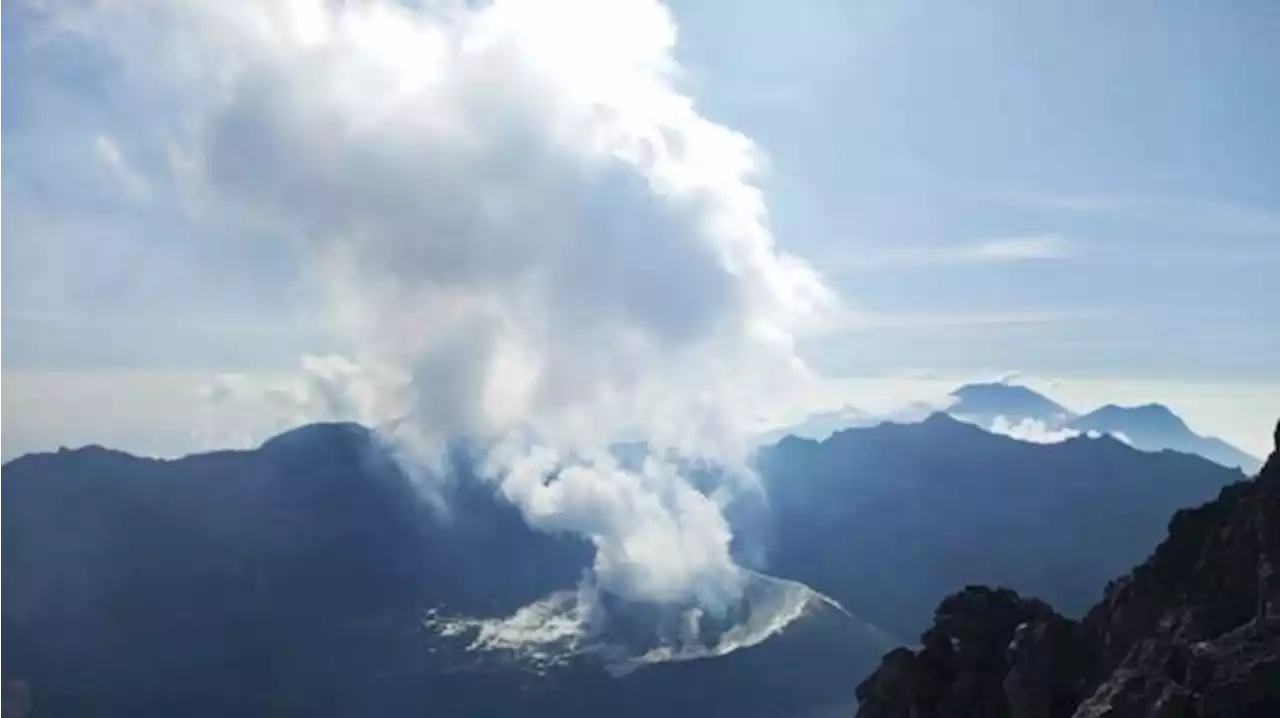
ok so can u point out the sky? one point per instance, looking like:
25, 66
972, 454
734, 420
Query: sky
1086, 193
1075, 188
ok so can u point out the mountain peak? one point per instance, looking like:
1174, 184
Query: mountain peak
940, 419
1154, 427
310, 436
995, 389
1154, 416
1009, 400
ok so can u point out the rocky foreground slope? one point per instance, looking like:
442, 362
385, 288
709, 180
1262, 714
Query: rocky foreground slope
1193, 631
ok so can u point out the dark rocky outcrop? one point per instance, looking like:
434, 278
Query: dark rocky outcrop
1192, 631
990, 652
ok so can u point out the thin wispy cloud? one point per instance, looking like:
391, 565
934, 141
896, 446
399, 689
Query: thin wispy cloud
856, 320
170, 324
1013, 249
108, 153
1045, 246
1205, 214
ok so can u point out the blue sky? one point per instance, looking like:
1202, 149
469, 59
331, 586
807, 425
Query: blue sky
1084, 190
1131, 146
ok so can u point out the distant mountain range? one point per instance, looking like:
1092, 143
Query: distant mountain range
308, 576
1153, 427
1022, 412
887, 518
822, 424
1150, 427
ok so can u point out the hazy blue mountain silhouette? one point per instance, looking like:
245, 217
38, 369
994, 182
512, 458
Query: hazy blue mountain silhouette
887, 518
819, 425
1150, 427
292, 580
977, 403
985, 402
1153, 427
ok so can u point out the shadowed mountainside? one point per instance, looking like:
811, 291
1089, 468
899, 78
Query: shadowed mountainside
888, 518
298, 579
1192, 631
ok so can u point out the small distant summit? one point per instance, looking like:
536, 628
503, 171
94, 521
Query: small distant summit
940, 418
819, 425
1012, 401
1154, 427
1151, 417
942, 421
323, 439
312, 436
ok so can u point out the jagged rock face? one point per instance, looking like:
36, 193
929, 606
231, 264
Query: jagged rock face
1193, 631
1196, 629
1052, 666
990, 653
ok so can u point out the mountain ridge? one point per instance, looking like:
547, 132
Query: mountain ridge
1194, 630
1150, 427
1021, 412
1155, 427
296, 579
851, 513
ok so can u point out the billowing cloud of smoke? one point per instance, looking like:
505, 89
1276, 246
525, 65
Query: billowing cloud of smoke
529, 233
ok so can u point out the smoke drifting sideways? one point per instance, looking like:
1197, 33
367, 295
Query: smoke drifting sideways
526, 231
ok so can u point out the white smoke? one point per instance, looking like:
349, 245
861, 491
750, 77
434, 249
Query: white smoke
558, 627
527, 232
1036, 431
1031, 430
